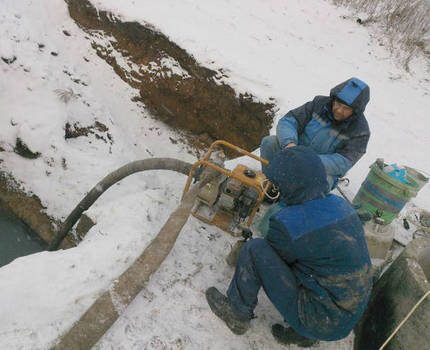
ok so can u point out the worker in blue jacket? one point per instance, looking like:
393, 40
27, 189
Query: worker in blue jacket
333, 126
313, 264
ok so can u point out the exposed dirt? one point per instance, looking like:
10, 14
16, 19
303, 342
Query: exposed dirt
83, 226
98, 129
172, 85
24, 151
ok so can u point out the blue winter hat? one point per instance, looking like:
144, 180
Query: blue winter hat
354, 93
299, 174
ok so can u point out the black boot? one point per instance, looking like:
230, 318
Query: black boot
287, 336
220, 306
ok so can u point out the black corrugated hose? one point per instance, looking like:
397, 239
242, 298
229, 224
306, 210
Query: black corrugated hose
109, 180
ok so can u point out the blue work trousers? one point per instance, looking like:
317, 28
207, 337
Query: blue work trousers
259, 266
269, 146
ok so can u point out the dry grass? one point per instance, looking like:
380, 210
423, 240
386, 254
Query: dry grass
406, 23
66, 95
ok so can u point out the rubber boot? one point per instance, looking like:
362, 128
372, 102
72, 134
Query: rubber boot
220, 306
287, 336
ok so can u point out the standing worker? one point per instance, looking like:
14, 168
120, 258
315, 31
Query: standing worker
313, 264
333, 126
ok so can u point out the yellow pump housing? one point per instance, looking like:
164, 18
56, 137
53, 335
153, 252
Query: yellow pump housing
231, 201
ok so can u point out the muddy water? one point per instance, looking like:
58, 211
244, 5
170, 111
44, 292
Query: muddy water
16, 239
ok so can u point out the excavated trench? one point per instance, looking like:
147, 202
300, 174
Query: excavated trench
172, 85
16, 238
25, 228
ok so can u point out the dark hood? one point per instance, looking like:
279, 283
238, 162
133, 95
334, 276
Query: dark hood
299, 174
354, 93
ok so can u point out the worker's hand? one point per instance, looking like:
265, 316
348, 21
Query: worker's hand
291, 144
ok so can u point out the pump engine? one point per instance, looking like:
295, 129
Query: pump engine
231, 201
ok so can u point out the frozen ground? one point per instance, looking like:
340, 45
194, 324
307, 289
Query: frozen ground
287, 50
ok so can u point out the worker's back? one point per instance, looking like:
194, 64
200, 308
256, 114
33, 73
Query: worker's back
322, 240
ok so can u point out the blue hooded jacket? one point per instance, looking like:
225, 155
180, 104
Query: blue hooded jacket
339, 144
321, 238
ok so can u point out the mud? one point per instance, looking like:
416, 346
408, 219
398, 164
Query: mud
172, 85
24, 151
98, 129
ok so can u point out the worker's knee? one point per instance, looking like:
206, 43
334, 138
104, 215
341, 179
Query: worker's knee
250, 252
269, 146
270, 141
255, 246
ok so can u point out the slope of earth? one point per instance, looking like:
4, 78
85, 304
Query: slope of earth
172, 85
291, 51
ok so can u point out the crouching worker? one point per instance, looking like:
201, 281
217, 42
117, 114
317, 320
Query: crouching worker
333, 126
313, 264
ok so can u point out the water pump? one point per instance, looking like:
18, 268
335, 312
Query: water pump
231, 201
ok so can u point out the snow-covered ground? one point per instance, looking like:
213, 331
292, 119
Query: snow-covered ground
287, 50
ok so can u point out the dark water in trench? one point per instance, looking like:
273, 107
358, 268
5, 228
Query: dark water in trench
16, 239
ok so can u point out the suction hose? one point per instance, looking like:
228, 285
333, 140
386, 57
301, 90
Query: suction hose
102, 314
109, 180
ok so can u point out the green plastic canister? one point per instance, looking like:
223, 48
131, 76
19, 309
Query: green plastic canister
383, 196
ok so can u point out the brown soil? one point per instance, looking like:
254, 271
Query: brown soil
98, 129
22, 149
195, 103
